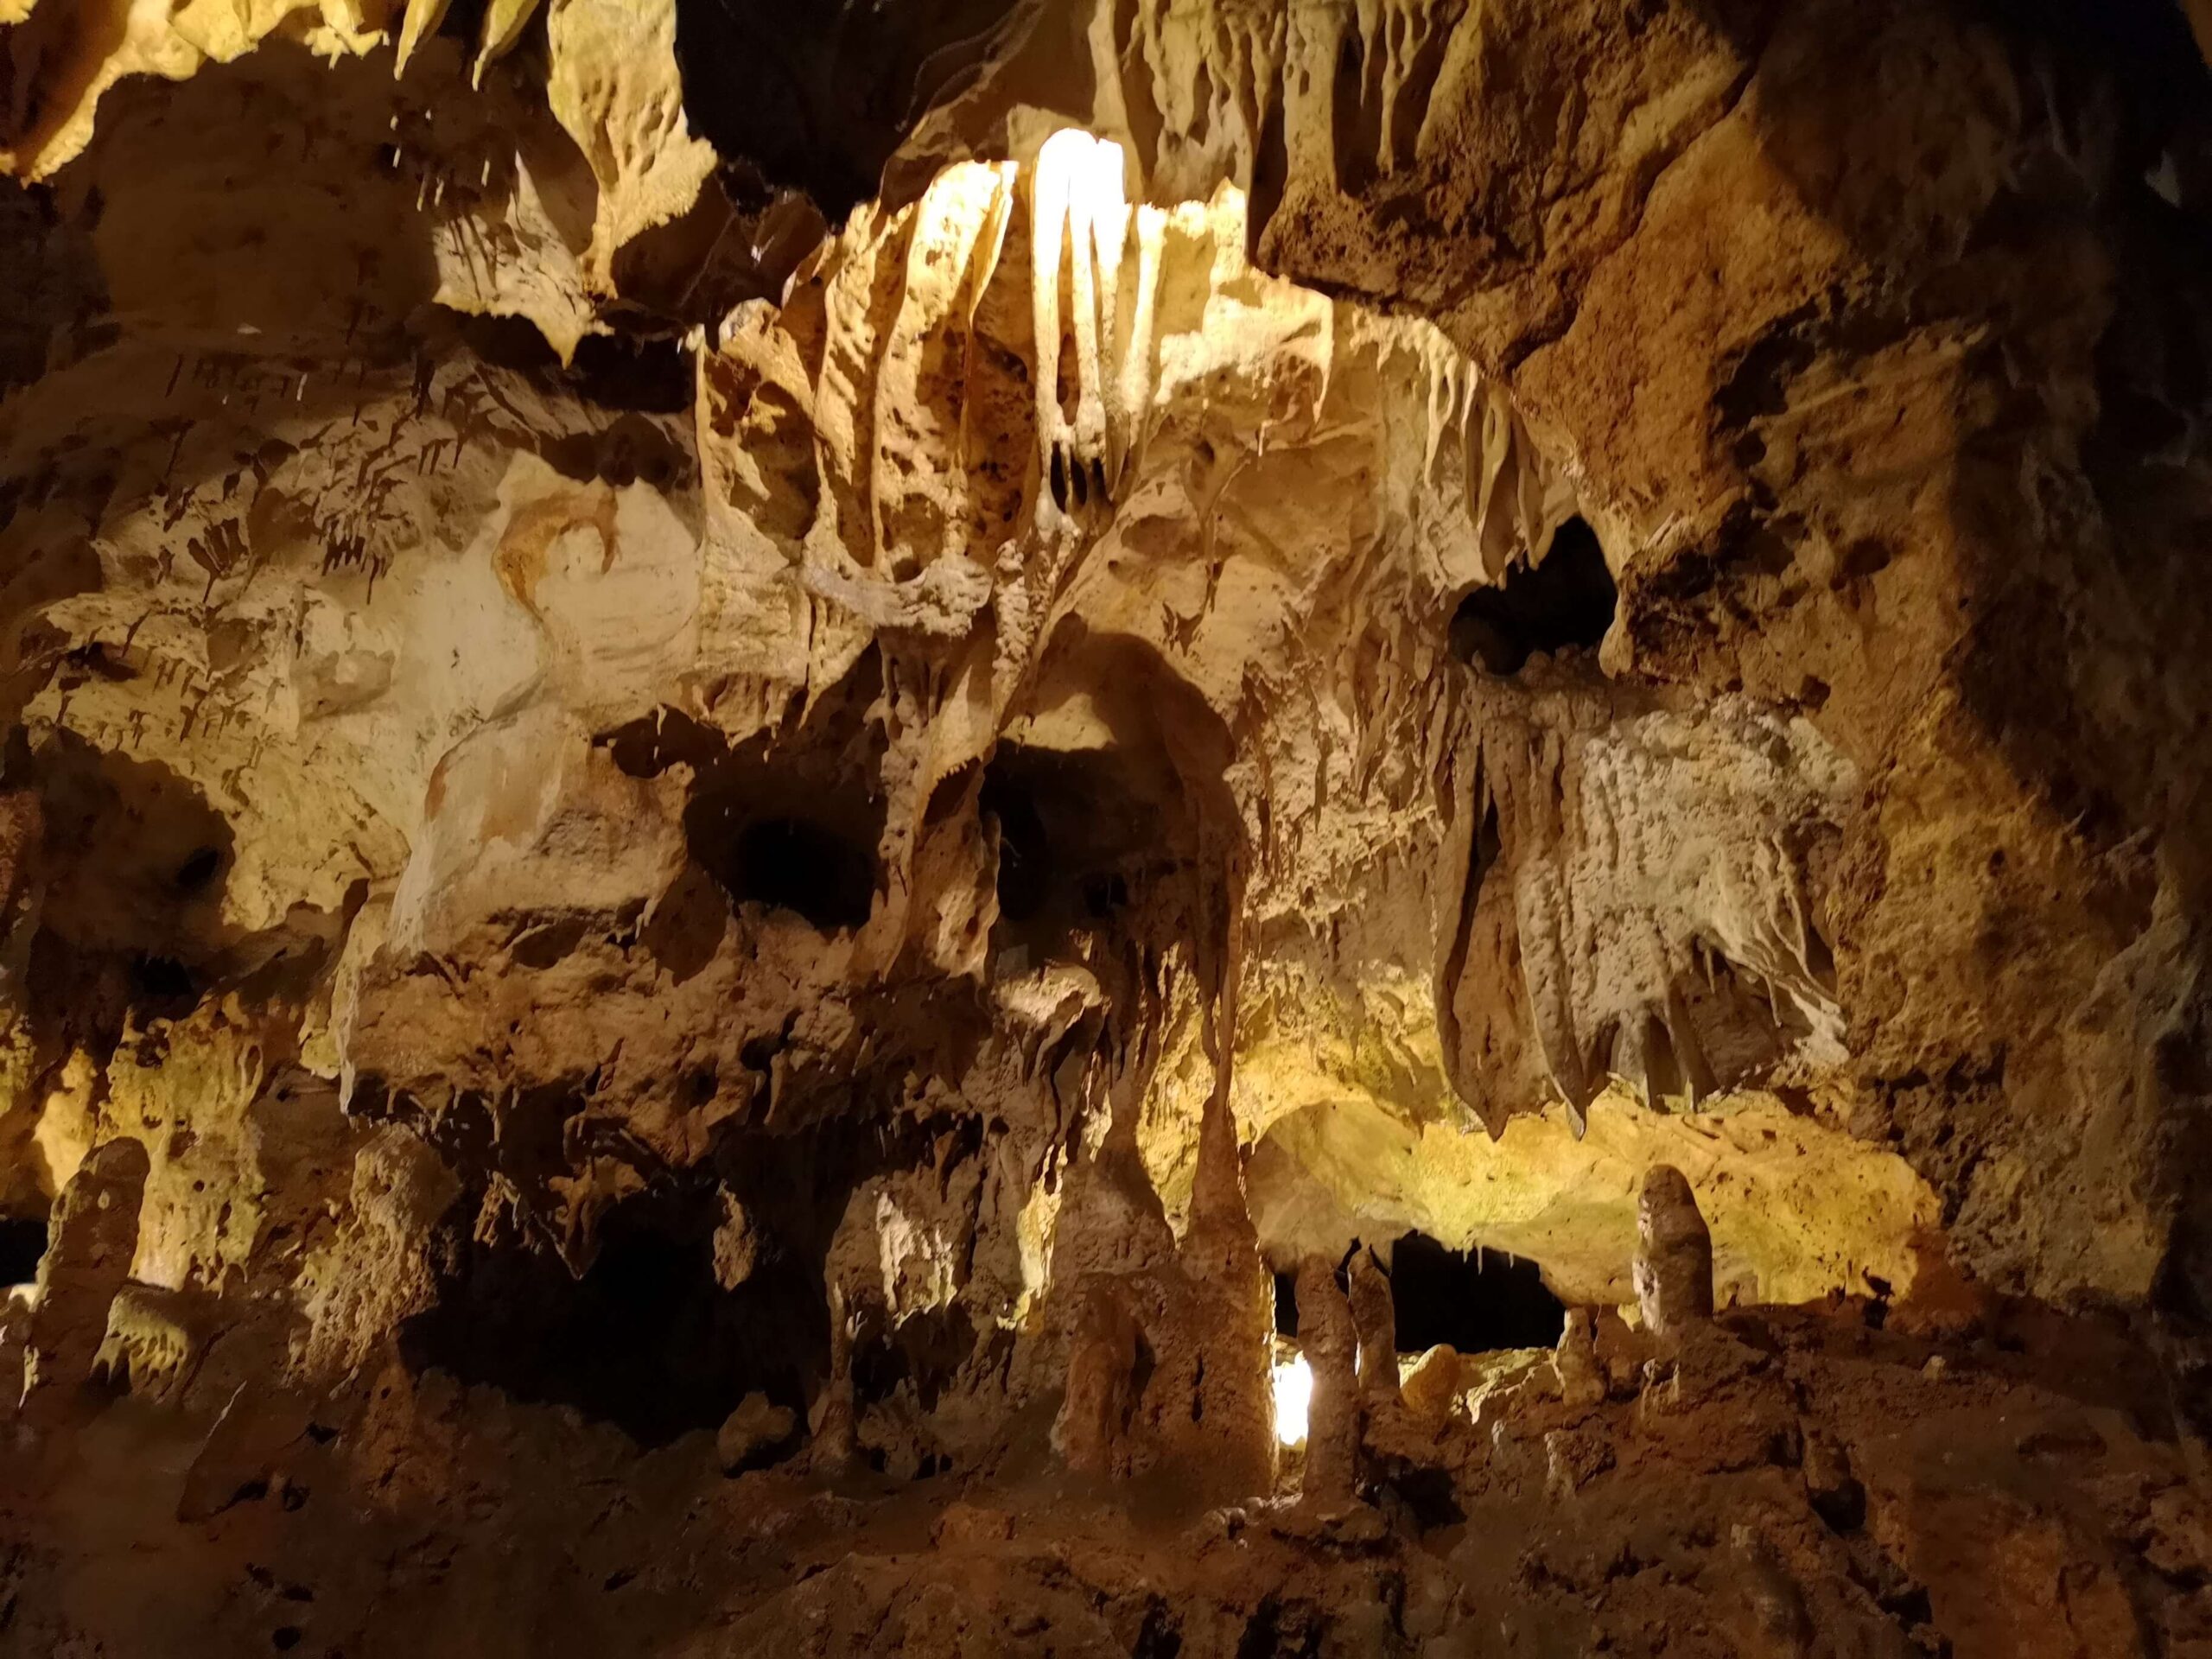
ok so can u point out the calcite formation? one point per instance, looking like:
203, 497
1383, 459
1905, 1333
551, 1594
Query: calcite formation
1674, 1255
1234, 827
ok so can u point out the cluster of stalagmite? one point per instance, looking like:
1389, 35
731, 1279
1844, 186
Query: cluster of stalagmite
1361, 1415
1189, 1314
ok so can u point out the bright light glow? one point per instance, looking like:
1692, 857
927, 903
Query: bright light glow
1293, 1391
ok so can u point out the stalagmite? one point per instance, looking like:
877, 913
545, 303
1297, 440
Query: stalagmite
1090, 1431
832, 1421
1336, 1418
94, 1236
1376, 1321
1581, 1378
1674, 1255
1228, 1314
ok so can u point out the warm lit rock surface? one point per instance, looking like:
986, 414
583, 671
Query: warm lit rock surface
748, 748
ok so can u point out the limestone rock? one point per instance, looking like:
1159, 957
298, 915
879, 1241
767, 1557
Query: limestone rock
737, 1245
1431, 1387
717, 714
1335, 1421
95, 1237
1102, 1387
156, 1341
757, 1427
1581, 1379
1674, 1255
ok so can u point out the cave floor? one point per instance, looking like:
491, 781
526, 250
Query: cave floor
1794, 1481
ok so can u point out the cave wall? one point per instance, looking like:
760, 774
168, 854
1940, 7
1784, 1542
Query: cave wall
891, 712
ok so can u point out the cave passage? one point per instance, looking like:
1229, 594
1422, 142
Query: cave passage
1075, 834
1472, 1302
23, 1243
163, 987
1025, 852
1566, 603
645, 1340
795, 864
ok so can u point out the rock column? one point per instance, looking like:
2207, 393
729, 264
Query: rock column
1101, 1397
1674, 1255
94, 1234
835, 1427
1330, 1342
1376, 1318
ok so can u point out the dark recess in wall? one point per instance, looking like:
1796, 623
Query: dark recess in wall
22, 1241
817, 97
798, 865
645, 1340
1566, 603
1472, 1301
1075, 835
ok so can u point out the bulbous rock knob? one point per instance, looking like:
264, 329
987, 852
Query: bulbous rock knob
1672, 1270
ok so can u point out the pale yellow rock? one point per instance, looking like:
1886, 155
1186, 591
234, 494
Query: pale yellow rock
1581, 1378
504, 22
1780, 1191
1430, 1384
376, 1269
156, 1340
422, 18
755, 1427
613, 85
1674, 1255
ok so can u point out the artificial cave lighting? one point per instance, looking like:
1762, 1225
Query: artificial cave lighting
1293, 1393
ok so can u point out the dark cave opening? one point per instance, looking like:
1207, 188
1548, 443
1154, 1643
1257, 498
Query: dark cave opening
799, 865
23, 1243
790, 818
926, 1356
925, 1351
645, 1340
1073, 835
137, 864
793, 863
203, 866
1285, 1304
162, 986
816, 102
1024, 855
1472, 1302
1565, 603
